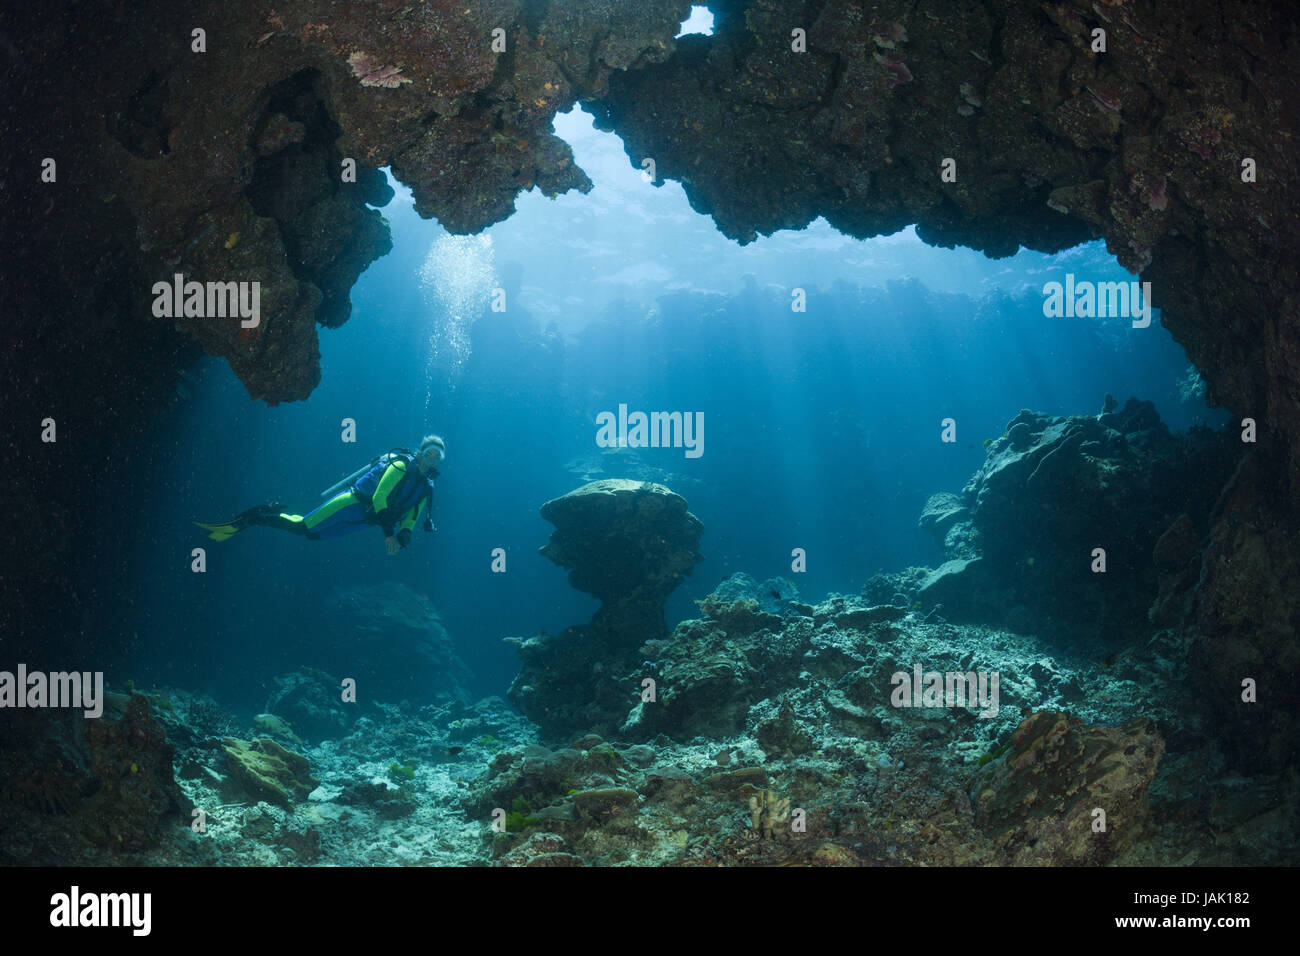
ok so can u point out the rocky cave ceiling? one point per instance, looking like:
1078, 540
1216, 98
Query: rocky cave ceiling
167, 153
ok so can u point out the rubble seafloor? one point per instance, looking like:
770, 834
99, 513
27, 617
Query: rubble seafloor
877, 785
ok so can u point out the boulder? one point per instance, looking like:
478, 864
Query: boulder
136, 795
605, 803
268, 771
774, 596
957, 589
309, 700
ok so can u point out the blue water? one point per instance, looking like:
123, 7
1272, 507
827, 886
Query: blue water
822, 427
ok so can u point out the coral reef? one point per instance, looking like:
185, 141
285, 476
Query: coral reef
811, 763
1196, 529
205, 718
231, 169
805, 716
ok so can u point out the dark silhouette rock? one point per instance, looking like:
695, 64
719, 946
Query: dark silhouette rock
1022, 540
392, 637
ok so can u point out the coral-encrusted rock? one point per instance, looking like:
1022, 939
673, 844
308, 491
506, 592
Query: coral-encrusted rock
132, 762
711, 673
774, 596
1037, 801
173, 160
1059, 145
540, 849
941, 511
82, 788
1063, 146
738, 616
704, 686
629, 543
303, 840
600, 805
960, 589
268, 771
1020, 545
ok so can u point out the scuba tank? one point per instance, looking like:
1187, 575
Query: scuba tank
346, 483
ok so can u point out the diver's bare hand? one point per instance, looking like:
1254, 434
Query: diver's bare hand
391, 545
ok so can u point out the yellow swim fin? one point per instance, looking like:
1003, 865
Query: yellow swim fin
220, 532
228, 529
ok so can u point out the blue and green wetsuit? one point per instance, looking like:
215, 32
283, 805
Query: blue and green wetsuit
393, 495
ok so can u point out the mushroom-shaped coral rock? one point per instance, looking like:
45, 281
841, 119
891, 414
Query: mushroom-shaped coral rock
628, 543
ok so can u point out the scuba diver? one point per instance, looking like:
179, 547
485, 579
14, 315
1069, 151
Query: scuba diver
393, 491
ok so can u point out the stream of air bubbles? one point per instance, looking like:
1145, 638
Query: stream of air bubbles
456, 279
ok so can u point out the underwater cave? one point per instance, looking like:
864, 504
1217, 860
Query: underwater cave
872, 425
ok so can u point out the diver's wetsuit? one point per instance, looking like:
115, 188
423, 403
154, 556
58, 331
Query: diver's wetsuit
402, 498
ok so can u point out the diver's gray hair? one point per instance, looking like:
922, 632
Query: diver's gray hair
434, 441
